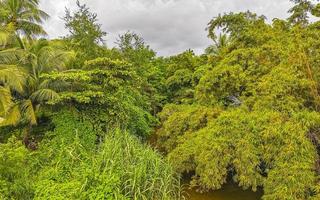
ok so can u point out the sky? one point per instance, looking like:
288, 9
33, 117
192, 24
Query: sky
168, 26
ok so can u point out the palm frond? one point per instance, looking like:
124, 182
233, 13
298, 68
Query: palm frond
12, 117
52, 59
56, 85
4, 38
28, 111
11, 55
30, 29
5, 100
34, 15
13, 77
44, 95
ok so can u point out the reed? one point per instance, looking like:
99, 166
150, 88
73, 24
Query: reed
143, 173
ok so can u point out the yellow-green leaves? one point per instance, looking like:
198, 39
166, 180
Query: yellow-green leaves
260, 149
265, 88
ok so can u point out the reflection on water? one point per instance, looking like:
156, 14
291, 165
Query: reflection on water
228, 192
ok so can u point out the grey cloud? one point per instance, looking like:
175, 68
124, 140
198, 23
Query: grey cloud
168, 26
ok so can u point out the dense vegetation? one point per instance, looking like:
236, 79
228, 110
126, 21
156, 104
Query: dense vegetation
75, 114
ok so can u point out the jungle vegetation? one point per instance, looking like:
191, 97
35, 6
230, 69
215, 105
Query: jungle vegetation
75, 115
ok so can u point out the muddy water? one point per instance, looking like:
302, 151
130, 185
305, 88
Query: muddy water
228, 192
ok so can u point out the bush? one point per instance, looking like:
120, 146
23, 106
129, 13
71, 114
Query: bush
70, 164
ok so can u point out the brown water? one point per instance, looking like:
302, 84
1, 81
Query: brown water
228, 192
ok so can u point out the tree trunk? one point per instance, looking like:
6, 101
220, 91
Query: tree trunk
28, 142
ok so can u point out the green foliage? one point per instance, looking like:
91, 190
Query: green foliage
180, 120
301, 10
15, 177
253, 110
23, 17
76, 153
258, 148
23, 90
180, 77
246, 109
61, 157
111, 86
134, 49
70, 165
150, 69
139, 168
85, 35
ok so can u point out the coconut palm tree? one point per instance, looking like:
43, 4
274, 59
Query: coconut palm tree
23, 17
20, 102
11, 76
22, 61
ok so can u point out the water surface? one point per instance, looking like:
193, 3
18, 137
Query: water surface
228, 192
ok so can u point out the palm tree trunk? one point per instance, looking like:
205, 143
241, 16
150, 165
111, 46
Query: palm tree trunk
26, 139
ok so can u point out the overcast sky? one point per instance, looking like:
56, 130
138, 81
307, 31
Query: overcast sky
168, 26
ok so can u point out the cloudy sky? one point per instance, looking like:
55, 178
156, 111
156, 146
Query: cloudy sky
168, 26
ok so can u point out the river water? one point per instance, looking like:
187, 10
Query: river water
228, 192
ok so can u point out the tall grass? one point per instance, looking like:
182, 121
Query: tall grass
144, 175
69, 164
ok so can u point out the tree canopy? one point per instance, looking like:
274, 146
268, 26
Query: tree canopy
76, 115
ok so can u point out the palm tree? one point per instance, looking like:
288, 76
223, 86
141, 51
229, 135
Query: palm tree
22, 61
24, 17
19, 102
11, 76
219, 47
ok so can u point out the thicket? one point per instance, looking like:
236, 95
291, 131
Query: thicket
252, 111
74, 114
70, 165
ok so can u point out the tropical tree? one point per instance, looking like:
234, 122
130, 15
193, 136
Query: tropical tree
301, 11
220, 45
86, 36
106, 91
19, 19
23, 17
11, 76
148, 67
180, 71
253, 113
21, 100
